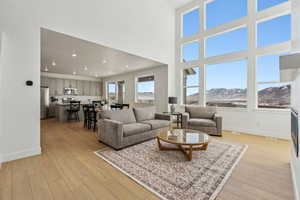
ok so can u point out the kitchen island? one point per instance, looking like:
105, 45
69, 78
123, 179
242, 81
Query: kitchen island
61, 113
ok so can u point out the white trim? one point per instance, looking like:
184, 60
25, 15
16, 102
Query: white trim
294, 179
212, 197
21, 154
257, 132
136, 88
68, 76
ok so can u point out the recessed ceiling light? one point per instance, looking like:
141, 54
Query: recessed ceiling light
85, 68
96, 75
53, 63
126, 66
104, 61
74, 73
74, 54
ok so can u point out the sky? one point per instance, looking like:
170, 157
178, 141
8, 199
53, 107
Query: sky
234, 74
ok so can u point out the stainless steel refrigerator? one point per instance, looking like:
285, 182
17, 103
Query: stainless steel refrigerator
44, 102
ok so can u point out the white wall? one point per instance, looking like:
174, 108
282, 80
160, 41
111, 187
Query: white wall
295, 162
161, 85
1, 124
140, 27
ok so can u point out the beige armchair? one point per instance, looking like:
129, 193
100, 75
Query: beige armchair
203, 119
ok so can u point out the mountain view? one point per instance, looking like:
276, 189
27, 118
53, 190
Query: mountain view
146, 97
271, 97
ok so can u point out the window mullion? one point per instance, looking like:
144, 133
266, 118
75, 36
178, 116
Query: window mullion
251, 82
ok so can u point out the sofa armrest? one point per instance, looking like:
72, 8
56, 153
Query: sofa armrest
110, 132
185, 119
218, 120
162, 116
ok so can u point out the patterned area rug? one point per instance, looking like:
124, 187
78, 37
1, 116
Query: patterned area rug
170, 176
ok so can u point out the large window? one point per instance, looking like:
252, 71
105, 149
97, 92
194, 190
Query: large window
274, 31
227, 42
226, 84
271, 92
191, 81
191, 23
190, 51
263, 4
111, 93
219, 12
145, 86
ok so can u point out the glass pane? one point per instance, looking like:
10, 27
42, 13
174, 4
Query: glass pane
226, 84
222, 11
263, 4
227, 42
190, 52
191, 95
268, 68
111, 92
274, 95
191, 77
274, 31
145, 92
191, 23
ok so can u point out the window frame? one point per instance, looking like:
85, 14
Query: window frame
193, 86
136, 88
257, 83
250, 54
107, 90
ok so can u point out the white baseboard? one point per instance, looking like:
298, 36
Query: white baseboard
21, 154
256, 132
296, 192
1, 161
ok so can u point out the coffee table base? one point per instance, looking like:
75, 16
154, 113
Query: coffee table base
187, 151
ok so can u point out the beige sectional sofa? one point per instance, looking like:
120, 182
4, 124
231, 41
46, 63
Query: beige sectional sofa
122, 128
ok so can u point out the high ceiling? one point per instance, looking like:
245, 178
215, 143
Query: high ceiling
58, 56
178, 3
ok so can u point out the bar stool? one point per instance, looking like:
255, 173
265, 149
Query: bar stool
73, 110
92, 118
86, 109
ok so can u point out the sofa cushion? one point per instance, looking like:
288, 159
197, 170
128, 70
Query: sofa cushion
156, 123
126, 116
135, 128
200, 112
202, 122
142, 114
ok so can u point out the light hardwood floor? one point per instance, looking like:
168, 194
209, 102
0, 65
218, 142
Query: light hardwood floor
69, 170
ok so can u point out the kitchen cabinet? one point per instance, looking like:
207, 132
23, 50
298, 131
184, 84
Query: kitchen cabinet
73, 84
86, 88
66, 83
52, 87
59, 87
93, 88
98, 90
44, 81
80, 87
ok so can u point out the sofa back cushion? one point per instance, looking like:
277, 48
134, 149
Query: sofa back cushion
125, 116
142, 114
200, 112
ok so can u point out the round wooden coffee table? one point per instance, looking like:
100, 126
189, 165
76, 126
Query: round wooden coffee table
184, 140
